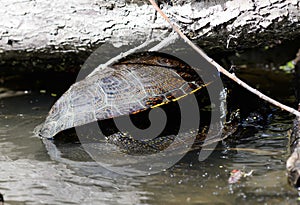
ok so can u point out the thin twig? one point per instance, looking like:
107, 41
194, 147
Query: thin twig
143, 45
223, 70
164, 43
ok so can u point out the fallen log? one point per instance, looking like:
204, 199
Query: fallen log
61, 34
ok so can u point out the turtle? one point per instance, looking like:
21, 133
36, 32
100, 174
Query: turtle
133, 85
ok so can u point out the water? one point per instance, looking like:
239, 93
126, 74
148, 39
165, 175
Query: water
33, 172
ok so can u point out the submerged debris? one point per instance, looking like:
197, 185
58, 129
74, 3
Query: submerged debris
237, 174
293, 162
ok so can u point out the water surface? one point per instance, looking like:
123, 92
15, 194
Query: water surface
33, 172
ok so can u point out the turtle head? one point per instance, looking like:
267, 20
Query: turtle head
53, 126
57, 120
46, 130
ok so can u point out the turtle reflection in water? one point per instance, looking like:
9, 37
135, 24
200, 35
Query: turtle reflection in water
132, 86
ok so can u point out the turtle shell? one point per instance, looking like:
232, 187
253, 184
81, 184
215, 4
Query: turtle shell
138, 82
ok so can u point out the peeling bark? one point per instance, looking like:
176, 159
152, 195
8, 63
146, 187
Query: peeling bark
39, 30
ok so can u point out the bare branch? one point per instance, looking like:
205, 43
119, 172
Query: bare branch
163, 43
223, 70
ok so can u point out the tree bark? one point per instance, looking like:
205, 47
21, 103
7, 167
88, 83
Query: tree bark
32, 31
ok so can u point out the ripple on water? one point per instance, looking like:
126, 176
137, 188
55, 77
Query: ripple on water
31, 175
34, 182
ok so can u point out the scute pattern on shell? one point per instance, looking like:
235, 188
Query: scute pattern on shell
126, 87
